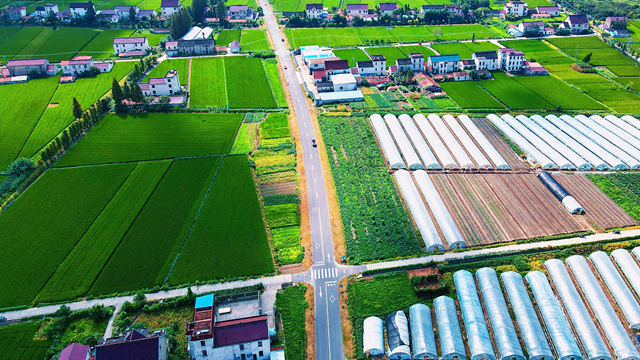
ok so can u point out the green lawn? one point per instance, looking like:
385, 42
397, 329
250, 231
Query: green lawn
229, 229
41, 228
122, 138
465, 50
16, 342
353, 55
182, 65
102, 45
514, 95
156, 236
469, 95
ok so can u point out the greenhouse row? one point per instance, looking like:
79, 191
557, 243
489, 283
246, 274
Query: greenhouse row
575, 143
585, 309
418, 208
434, 143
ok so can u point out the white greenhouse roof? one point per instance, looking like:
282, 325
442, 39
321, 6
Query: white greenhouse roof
423, 339
619, 340
629, 268
467, 143
373, 336
625, 126
534, 156
386, 142
607, 123
478, 336
428, 159
458, 152
449, 333
577, 312
603, 127
444, 157
406, 150
484, 143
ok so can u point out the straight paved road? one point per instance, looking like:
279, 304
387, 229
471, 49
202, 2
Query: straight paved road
324, 273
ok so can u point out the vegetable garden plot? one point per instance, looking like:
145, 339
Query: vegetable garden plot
166, 219
16, 342
41, 228
623, 189
276, 125
121, 138
229, 237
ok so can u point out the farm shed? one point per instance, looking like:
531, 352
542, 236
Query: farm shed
466, 141
635, 132
618, 338
577, 312
594, 147
528, 323
576, 146
612, 142
446, 160
419, 212
484, 143
556, 144
540, 144
398, 336
504, 333
629, 267
386, 142
423, 340
534, 156
373, 336
478, 336
560, 193
614, 129
617, 288
428, 159
458, 152
451, 345
406, 150
445, 221
555, 321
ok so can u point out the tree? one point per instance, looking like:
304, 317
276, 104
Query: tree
90, 16
180, 23
221, 10
66, 139
126, 90
136, 93
437, 32
197, 10
21, 166
473, 37
587, 58
132, 15
52, 19
140, 299
116, 92
77, 109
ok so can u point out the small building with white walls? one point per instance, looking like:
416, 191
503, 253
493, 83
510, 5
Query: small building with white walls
510, 59
379, 64
126, 44
485, 60
170, 7
343, 82
79, 10
167, 85
417, 61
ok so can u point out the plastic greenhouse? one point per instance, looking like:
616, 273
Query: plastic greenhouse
446, 160
458, 152
398, 336
467, 143
484, 143
373, 336
629, 268
560, 193
386, 142
451, 345
423, 341
406, 150
428, 159
609, 123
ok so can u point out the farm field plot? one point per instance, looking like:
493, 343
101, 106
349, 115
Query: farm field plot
500, 144
253, 40
557, 92
623, 189
276, 125
463, 32
271, 68
182, 65
498, 208
101, 46
227, 36
55, 119
122, 138
514, 95
208, 83
368, 35
16, 342
324, 37
599, 209
469, 95
353, 55
56, 45
375, 223
166, 218
229, 230
81, 267
21, 107
633, 82
254, 78
538, 50
465, 50
417, 49
17, 40
416, 3
285, 5
405, 34
154, 39
391, 53
39, 230
601, 54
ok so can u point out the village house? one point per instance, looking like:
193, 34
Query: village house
75, 351
79, 10
357, 9
485, 60
234, 47
454, 9
425, 8
467, 64
531, 28
578, 24
343, 82
460, 76
170, 7
387, 8
616, 26
319, 76
228, 331
551, 10
239, 12
379, 64
314, 11
146, 14
123, 11
426, 83
334, 67
77, 65
43, 11
324, 86
510, 59
161, 86
533, 68
403, 64
319, 63
516, 8
25, 67
16, 13
129, 44
171, 48
366, 68
197, 41
134, 345
417, 61
443, 64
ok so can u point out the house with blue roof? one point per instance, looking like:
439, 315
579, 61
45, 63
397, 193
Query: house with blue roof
443, 64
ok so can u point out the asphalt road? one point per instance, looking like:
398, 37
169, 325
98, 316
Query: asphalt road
324, 273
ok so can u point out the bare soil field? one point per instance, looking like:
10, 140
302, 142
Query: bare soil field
498, 142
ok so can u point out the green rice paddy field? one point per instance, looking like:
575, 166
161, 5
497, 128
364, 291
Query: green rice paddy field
299, 5
465, 50
215, 83
101, 47
337, 37
469, 95
17, 342
250, 39
182, 65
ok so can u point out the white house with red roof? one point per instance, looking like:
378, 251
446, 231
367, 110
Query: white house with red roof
77, 65
128, 44
576, 23
237, 12
387, 8
510, 59
16, 13
161, 86
357, 9
79, 10
228, 331
170, 7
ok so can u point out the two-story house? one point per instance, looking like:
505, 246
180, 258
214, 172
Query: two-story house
43, 11
357, 9
170, 7
79, 10
77, 65
167, 85
314, 11
510, 60
578, 24
485, 60
379, 64
516, 8
127, 44
387, 8
443, 64
16, 13
417, 61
